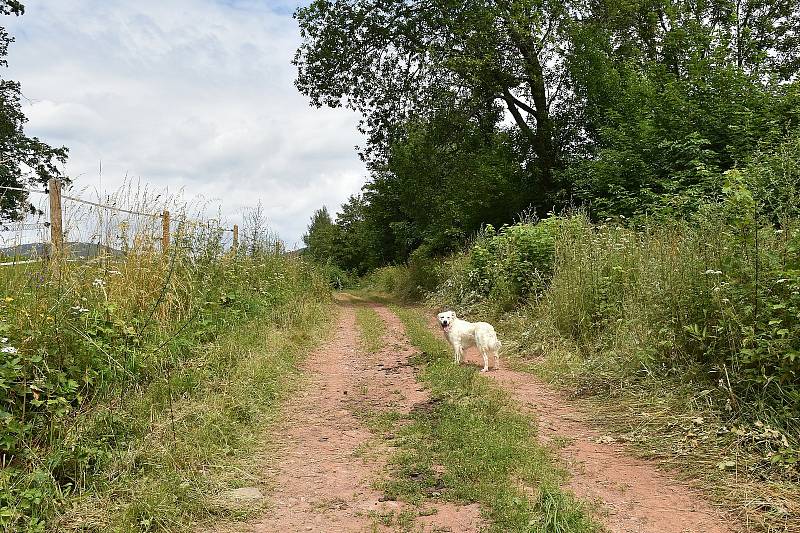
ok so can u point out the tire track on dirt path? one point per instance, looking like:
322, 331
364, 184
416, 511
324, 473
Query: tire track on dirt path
633, 495
322, 477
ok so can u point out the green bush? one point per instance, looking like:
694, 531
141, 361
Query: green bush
509, 266
392, 280
717, 297
337, 277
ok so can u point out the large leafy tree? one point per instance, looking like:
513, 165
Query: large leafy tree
448, 176
397, 60
475, 109
24, 160
355, 246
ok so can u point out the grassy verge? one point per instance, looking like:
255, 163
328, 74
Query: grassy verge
171, 461
471, 444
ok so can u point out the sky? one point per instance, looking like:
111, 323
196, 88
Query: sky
191, 95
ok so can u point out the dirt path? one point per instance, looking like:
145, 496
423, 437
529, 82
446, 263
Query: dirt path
632, 495
328, 460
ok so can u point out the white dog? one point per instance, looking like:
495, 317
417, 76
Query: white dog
462, 334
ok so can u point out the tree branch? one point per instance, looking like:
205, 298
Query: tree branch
512, 107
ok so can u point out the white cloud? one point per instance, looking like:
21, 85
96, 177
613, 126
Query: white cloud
193, 94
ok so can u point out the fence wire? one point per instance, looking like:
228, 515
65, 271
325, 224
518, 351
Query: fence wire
131, 219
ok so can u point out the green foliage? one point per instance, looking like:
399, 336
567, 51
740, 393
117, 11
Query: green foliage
716, 298
391, 280
513, 264
392, 61
16, 147
106, 331
321, 236
634, 109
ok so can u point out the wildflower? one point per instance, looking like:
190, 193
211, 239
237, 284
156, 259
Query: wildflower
712, 272
8, 299
98, 283
9, 349
115, 272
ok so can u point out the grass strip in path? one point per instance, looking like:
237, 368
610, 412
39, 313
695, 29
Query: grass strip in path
471, 443
371, 327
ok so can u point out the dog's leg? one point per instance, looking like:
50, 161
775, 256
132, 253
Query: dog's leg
485, 354
496, 359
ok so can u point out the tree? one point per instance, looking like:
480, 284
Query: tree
396, 60
24, 160
477, 109
671, 94
355, 247
321, 235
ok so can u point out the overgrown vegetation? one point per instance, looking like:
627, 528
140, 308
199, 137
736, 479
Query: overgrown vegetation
102, 363
475, 111
617, 183
498, 462
683, 333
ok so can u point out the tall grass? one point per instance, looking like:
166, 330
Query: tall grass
77, 346
714, 300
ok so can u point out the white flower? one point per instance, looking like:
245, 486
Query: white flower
9, 349
714, 272
4, 340
98, 283
115, 272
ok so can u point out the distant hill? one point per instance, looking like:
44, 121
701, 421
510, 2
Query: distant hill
77, 250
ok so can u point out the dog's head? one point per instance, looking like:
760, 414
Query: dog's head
446, 319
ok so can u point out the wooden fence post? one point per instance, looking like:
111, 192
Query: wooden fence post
165, 232
56, 224
235, 238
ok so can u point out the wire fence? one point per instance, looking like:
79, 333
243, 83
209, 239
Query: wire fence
73, 227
